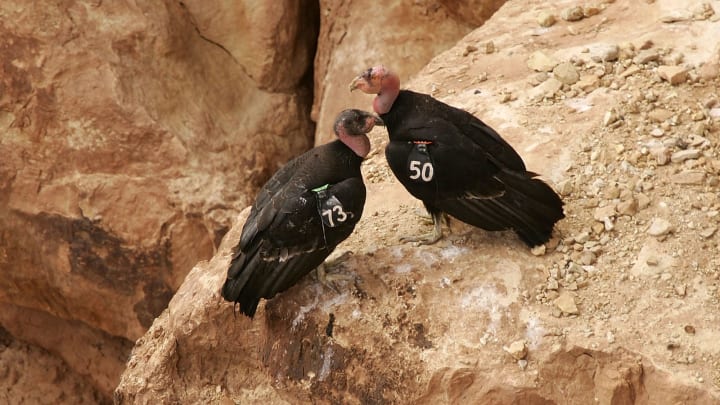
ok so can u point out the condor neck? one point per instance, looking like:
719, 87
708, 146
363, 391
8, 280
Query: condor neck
388, 93
360, 144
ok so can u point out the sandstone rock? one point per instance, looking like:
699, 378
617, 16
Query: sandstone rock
660, 115
677, 16
487, 47
284, 34
646, 56
33, 375
130, 141
588, 82
546, 19
683, 155
673, 74
541, 62
472, 12
688, 177
709, 71
605, 214
566, 73
660, 227
703, 11
589, 11
517, 349
627, 207
566, 303
587, 258
610, 117
630, 71
643, 201
709, 231
604, 52
538, 250
546, 89
662, 155
572, 13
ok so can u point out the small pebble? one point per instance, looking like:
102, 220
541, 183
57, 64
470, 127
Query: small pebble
660, 227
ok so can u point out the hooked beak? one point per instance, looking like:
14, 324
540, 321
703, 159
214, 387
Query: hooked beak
356, 82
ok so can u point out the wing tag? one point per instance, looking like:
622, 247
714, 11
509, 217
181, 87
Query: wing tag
330, 208
419, 163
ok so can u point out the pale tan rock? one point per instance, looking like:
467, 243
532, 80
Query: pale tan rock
673, 74
588, 82
660, 115
604, 52
566, 303
627, 207
542, 62
688, 177
572, 13
546, 19
709, 71
660, 227
566, 73
546, 89
602, 213
284, 34
646, 56
683, 155
517, 349
630, 71
662, 155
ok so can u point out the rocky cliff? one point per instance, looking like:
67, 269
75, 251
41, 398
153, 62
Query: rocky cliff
615, 104
132, 133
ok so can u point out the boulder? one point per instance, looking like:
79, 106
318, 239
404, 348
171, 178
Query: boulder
131, 137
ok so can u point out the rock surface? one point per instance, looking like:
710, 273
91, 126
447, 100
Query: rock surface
130, 138
428, 324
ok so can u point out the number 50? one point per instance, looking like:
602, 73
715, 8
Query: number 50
418, 171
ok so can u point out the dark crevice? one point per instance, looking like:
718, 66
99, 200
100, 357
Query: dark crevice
307, 83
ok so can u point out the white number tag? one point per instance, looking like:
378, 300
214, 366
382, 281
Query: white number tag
331, 210
422, 171
420, 167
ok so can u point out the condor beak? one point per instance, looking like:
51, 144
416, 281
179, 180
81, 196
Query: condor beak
356, 82
378, 121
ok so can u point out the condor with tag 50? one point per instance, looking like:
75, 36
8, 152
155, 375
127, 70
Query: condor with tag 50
458, 165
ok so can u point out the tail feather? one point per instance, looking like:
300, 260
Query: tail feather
250, 277
529, 207
241, 269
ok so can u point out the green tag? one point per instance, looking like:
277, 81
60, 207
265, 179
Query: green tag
321, 188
